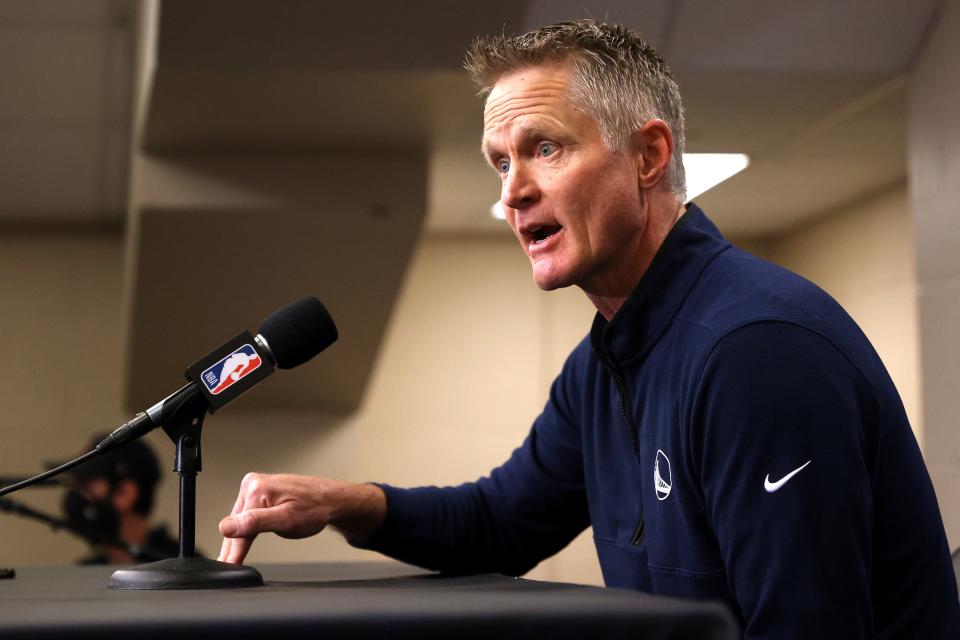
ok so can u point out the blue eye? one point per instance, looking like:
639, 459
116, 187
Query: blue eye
547, 149
503, 166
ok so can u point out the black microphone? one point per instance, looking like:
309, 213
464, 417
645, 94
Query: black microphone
287, 338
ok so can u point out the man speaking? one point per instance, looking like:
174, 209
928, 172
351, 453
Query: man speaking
725, 427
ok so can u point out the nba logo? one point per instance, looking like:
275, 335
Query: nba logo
227, 372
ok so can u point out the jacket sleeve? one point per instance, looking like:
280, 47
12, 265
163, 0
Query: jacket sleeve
526, 510
782, 433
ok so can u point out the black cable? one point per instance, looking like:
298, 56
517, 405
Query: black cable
18, 508
46, 484
91, 536
52, 472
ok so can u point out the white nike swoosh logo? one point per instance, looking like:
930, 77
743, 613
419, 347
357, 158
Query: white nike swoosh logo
774, 486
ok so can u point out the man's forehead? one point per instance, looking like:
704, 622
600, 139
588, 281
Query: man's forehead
534, 94
554, 75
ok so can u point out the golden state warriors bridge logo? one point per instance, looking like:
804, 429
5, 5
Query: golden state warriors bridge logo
662, 480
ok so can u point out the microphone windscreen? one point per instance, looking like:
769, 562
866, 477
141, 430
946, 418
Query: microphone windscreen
298, 331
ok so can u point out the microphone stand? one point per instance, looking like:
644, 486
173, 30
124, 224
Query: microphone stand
183, 427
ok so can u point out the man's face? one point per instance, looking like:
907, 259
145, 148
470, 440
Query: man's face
574, 205
96, 489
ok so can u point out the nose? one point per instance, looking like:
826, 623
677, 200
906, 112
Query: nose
519, 188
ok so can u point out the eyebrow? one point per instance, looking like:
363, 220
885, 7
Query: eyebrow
484, 150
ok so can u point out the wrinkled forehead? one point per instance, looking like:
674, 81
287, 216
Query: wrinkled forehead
528, 92
556, 74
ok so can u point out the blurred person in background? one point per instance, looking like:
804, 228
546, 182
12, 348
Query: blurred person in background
110, 498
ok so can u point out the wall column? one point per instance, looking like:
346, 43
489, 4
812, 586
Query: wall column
934, 176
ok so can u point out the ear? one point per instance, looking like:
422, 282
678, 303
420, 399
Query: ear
125, 495
653, 146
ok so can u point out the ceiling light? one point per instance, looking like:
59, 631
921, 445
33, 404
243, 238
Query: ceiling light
707, 170
497, 211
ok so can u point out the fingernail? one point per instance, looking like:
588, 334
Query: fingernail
228, 526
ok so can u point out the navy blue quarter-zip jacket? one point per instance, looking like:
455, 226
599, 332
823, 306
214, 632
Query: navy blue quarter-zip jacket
730, 435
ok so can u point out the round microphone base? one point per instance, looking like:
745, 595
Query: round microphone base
185, 573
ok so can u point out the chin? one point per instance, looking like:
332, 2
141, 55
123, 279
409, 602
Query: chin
550, 283
554, 274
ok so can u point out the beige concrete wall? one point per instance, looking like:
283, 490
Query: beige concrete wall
463, 371
465, 368
61, 352
934, 166
863, 257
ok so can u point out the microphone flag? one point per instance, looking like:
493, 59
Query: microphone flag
230, 371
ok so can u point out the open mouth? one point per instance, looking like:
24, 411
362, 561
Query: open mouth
541, 234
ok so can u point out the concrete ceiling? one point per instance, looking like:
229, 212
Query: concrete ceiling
243, 108
67, 70
811, 91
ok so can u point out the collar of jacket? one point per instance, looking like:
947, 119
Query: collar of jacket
693, 242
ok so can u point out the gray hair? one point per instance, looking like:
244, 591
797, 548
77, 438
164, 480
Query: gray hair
616, 78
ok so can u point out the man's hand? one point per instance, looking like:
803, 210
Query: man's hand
297, 507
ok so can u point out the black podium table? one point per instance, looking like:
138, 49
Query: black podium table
346, 600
